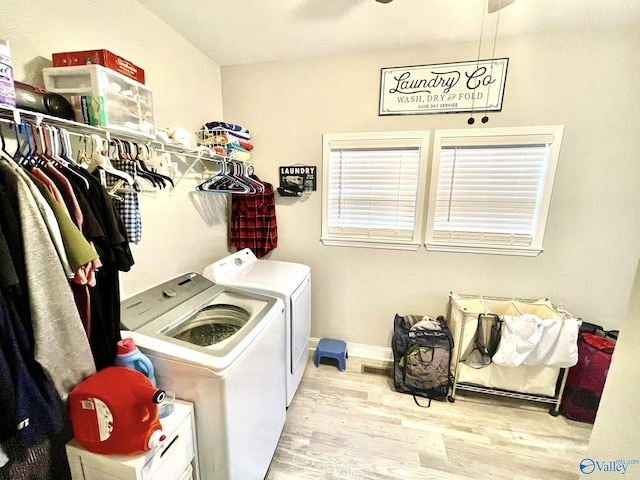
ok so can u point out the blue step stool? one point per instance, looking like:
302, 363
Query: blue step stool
330, 348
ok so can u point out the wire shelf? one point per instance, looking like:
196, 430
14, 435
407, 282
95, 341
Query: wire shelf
224, 143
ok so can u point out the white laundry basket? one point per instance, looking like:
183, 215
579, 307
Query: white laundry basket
536, 383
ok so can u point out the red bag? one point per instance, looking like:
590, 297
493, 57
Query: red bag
585, 380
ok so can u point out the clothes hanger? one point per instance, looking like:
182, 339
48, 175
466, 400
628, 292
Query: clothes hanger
142, 156
162, 162
250, 177
223, 182
133, 153
101, 160
3, 150
82, 159
41, 146
239, 172
45, 144
144, 182
62, 154
127, 152
116, 184
24, 152
64, 150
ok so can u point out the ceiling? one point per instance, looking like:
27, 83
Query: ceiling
252, 31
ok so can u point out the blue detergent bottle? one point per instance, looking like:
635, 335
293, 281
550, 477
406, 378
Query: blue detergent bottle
131, 357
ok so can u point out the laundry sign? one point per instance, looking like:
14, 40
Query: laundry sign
296, 180
473, 86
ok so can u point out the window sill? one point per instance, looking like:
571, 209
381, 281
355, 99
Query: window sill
484, 249
334, 242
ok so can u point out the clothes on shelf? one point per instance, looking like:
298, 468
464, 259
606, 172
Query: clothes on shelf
236, 130
227, 140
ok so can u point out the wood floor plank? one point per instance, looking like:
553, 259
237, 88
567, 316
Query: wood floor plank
354, 426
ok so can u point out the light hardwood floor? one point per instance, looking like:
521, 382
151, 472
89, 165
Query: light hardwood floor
352, 425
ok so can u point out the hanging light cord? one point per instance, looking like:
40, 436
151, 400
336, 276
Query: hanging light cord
485, 119
481, 35
473, 100
495, 34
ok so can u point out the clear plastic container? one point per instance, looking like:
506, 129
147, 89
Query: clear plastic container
104, 98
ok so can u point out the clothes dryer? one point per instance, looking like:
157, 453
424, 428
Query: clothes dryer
288, 281
221, 349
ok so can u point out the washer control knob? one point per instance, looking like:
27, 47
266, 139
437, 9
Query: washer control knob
169, 293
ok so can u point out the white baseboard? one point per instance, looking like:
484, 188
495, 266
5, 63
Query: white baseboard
370, 352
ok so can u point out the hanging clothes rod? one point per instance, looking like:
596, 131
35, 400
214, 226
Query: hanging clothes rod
17, 115
190, 156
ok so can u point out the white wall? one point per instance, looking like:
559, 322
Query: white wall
585, 82
616, 432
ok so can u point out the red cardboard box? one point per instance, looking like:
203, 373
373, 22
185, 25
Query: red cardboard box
99, 57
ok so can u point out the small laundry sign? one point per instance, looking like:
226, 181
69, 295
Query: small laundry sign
472, 86
296, 180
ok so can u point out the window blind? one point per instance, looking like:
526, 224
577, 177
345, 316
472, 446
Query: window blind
489, 194
372, 192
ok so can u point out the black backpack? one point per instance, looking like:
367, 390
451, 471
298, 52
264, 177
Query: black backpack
422, 357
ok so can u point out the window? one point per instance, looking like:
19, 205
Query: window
373, 189
491, 189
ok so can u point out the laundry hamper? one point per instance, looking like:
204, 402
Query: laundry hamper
534, 383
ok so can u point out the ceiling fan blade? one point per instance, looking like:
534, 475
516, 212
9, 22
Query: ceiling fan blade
495, 5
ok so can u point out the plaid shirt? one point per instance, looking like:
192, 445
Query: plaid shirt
128, 207
253, 221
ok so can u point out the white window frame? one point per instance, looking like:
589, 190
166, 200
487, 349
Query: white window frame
334, 141
549, 135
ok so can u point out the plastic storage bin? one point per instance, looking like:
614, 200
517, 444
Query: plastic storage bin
104, 98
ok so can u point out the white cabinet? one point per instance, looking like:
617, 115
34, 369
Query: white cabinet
176, 459
104, 98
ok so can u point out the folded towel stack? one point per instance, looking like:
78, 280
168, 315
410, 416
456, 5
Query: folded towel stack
228, 139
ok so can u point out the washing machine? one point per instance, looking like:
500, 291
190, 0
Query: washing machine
222, 349
290, 282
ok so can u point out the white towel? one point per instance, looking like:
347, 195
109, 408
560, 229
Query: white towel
519, 337
558, 346
529, 340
